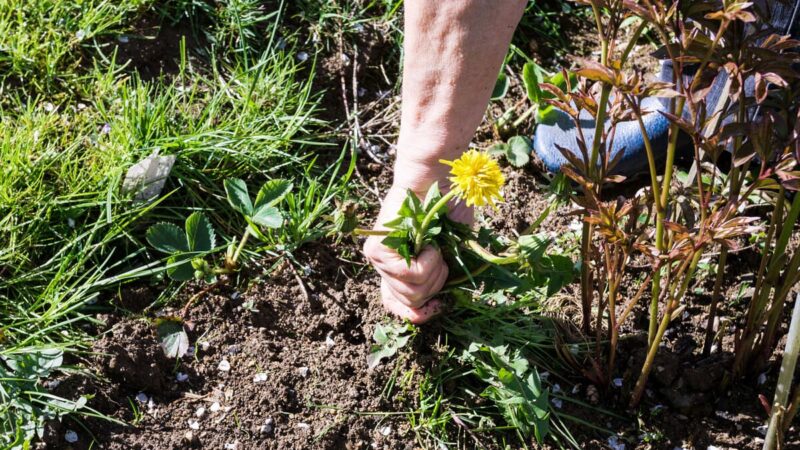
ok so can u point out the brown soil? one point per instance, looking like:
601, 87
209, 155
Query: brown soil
311, 340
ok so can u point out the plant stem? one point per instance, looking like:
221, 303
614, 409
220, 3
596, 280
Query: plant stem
672, 303
489, 257
240, 247
755, 315
366, 232
784, 380
419, 240
465, 277
715, 295
660, 243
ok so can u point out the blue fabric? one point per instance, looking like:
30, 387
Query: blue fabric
558, 129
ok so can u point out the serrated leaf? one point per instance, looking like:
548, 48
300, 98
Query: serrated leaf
389, 339
181, 269
500, 148
173, 338
519, 150
199, 233
167, 238
238, 196
433, 195
272, 192
268, 216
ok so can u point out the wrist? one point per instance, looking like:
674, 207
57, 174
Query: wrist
418, 176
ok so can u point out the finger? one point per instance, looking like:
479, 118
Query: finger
416, 315
417, 272
415, 295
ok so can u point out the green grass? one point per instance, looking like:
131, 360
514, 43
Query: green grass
74, 125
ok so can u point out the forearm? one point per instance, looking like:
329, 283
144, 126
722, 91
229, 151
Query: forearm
452, 54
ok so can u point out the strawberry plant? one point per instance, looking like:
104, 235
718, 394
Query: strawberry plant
187, 248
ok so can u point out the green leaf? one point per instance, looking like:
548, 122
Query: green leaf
389, 339
173, 338
35, 363
272, 192
532, 247
500, 86
181, 269
238, 197
498, 149
268, 216
199, 233
532, 77
400, 241
519, 150
433, 195
167, 238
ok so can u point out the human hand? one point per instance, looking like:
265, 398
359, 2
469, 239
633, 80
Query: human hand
407, 290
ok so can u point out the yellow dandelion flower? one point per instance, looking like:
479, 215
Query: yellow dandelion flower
476, 178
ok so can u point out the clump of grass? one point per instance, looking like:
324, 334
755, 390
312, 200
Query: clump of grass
67, 232
45, 41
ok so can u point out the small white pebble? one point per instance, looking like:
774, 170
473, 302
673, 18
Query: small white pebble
181, 377
141, 397
200, 412
329, 341
122, 39
387, 430
762, 430
224, 365
762, 378
268, 427
70, 222
215, 407
302, 56
556, 388
713, 447
303, 371
303, 425
231, 446
615, 443
557, 402
193, 424
617, 382
260, 377
205, 345
235, 295
71, 436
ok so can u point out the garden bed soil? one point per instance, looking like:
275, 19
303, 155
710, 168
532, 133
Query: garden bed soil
296, 346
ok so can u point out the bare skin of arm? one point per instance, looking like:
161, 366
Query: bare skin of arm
453, 52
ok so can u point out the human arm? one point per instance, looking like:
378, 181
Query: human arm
453, 51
